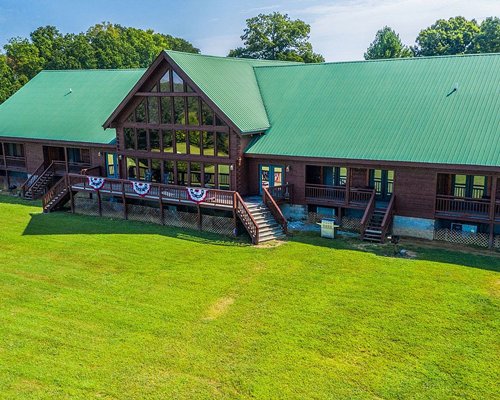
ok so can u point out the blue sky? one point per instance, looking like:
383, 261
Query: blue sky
340, 29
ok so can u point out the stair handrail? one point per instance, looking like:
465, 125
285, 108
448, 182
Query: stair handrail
386, 222
246, 217
32, 179
368, 213
50, 167
269, 201
91, 171
60, 185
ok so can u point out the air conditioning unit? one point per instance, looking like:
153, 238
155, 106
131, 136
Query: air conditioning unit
464, 228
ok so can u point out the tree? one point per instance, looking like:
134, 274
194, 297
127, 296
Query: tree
387, 44
276, 37
488, 38
447, 37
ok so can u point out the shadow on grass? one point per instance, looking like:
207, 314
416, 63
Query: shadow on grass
480, 259
6, 198
72, 224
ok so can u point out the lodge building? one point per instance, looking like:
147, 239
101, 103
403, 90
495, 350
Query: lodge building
408, 146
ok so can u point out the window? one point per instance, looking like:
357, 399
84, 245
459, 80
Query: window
165, 82
168, 141
208, 143
182, 173
207, 115
142, 140
179, 111
180, 142
219, 122
144, 172
153, 110
474, 186
129, 136
168, 173
178, 82
195, 143
195, 174
222, 144
223, 177
140, 112
155, 170
209, 175
14, 150
78, 156
154, 139
193, 109
131, 117
131, 168
166, 110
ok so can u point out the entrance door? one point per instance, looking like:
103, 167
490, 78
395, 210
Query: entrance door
270, 176
51, 153
382, 180
112, 165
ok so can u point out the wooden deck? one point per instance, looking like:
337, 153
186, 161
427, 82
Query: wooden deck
338, 196
467, 209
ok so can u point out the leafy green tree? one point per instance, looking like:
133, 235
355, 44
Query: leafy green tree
387, 44
276, 37
8, 83
23, 57
447, 37
488, 38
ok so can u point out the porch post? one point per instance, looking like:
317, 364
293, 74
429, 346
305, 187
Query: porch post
493, 195
124, 201
66, 159
348, 186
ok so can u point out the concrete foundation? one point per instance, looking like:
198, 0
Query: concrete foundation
421, 228
294, 212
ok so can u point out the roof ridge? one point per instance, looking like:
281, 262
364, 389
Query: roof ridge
93, 69
238, 59
402, 59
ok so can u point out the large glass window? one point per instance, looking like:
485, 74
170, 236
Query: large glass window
153, 110
180, 142
166, 110
182, 172
209, 175
222, 144
168, 141
142, 140
195, 143
193, 110
154, 139
179, 111
140, 112
156, 170
165, 82
144, 172
474, 186
178, 82
208, 143
168, 172
224, 176
129, 136
14, 150
131, 168
207, 115
195, 174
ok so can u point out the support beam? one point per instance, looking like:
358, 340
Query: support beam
493, 195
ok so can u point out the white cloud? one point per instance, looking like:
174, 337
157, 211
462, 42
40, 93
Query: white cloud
343, 30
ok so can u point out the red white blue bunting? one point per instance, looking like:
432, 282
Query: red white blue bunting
95, 182
141, 188
197, 195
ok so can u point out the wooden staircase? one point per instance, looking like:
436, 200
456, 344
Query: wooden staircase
39, 182
377, 221
57, 196
373, 231
268, 227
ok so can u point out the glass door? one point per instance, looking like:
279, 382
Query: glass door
271, 176
382, 180
112, 165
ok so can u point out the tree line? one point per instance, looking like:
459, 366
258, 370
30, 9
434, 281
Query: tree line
272, 36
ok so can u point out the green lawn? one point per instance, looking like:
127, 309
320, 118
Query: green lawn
93, 308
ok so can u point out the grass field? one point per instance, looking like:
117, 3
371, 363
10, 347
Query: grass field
93, 308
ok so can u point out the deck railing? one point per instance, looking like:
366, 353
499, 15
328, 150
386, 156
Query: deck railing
14, 162
337, 194
32, 179
270, 202
370, 208
60, 187
462, 206
281, 193
387, 221
246, 217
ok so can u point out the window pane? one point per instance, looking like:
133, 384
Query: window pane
207, 115
195, 174
165, 82
155, 170
342, 176
194, 142
168, 141
180, 142
166, 110
189, 89
209, 178
168, 172
208, 143
193, 108
153, 110
479, 184
140, 112
143, 169
154, 139
178, 83
131, 168
179, 111
182, 173
222, 144
129, 136
219, 122
223, 177
131, 117
142, 141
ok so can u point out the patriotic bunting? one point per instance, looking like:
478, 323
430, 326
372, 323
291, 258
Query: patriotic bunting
95, 183
197, 195
141, 188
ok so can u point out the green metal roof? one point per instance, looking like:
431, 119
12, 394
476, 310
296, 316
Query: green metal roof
67, 105
230, 83
393, 110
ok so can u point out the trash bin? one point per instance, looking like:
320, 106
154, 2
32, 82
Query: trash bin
328, 228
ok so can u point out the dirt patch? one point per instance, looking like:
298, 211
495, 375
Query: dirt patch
218, 308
